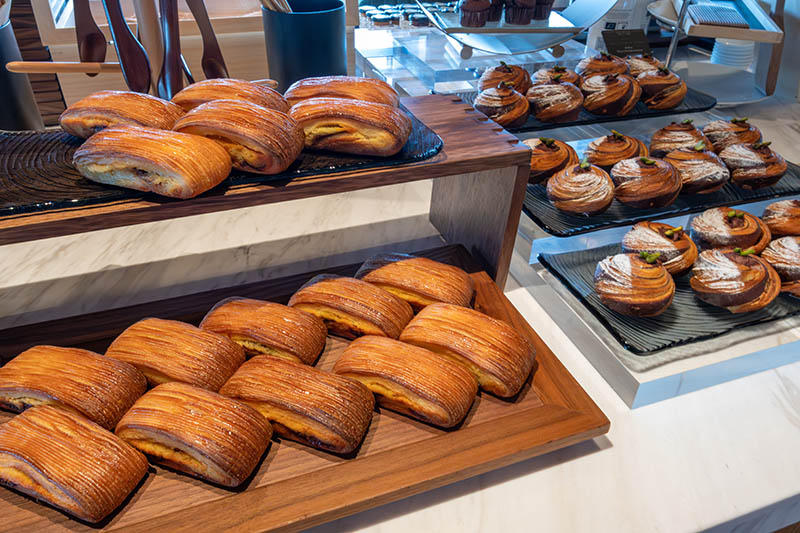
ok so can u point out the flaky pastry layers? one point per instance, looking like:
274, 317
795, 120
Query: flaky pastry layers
602, 63
517, 76
349, 87
167, 350
99, 110
676, 251
93, 385
701, 170
504, 105
661, 89
783, 217
145, 159
612, 94
675, 136
548, 157
609, 150
645, 183
723, 133
198, 432
784, 256
736, 282
268, 328
229, 89
754, 166
632, 285
499, 357
305, 404
410, 380
583, 189
69, 462
723, 227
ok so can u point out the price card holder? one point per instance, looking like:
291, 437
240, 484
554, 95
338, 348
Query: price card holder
626, 42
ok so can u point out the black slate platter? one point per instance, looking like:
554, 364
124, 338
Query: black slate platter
686, 320
36, 173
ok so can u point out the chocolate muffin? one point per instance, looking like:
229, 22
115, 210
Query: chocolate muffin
520, 12
473, 13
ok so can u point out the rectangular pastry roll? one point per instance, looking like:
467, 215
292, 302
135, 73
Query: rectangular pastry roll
350, 87
212, 89
500, 358
69, 462
350, 307
198, 432
167, 350
93, 385
410, 380
268, 328
303, 403
418, 280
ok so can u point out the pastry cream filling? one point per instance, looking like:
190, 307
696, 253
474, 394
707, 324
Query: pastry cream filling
125, 175
334, 319
411, 297
173, 455
301, 427
253, 347
399, 398
338, 132
35, 485
240, 154
487, 381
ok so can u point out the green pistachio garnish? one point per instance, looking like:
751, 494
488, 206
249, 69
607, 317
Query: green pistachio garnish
760, 145
506, 85
617, 135
700, 146
504, 65
647, 161
745, 253
585, 165
556, 78
673, 231
739, 120
687, 121
605, 55
650, 258
559, 68
737, 250
547, 141
731, 214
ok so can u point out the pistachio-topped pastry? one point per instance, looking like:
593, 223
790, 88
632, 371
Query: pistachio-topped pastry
549, 156
602, 63
662, 88
634, 284
607, 151
783, 217
723, 227
701, 170
204, 91
350, 87
514, 74
737, 280
645, 183
642, 63
723, 133
545, 75
754, 165
582, 189
555, 100
504, 105
610, 94
677, 252
784, 256
677, 135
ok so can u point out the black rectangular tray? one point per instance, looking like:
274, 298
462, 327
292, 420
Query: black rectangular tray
686, 320
36, 172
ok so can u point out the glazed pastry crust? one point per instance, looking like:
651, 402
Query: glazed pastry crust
352, 126
411, 380
783, 217
661, 89
229, 89
548, 157
259, 140
198, 432
555, 101
268, 328
581, 191
676, 136
714, 229
164, 162
65, 460
167, 350
418, 280
545, 75
642, 63
516, 75
503, 105
677, 251
753, 167
629, 285
613, 94
784, 256
499, 357
723, 133
102, 109
349, 87
603, 64
701, 172
645, 186
305, 404
740, 284
607, 151
93, 385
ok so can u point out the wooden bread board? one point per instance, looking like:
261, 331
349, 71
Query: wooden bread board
297, 487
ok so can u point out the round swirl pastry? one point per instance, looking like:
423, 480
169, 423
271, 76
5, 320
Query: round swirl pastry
783, 217
634, 284
582, 189
645, 183
513, 74
701, 170
723, 227
611, 94
736, 280
753, 166
661, 89
607, 151
784, 256
549, 156
676, 136
642, 63
677, 252
602, 63
504, 105
555, 101
544, 75
723, 133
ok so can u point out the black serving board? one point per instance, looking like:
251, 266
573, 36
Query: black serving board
36, 172
686, 320
694, 102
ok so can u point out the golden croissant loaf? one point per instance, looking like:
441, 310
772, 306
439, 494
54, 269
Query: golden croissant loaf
676, 136
352, 126
350, 87
736, 282
268, 328
351, 307
499, 357
662, 88
167, 350
723, 227
645, 183
513, 74
418, 280
603, 63
545, 75
582, 189
610, 94
198, 432
723, 133
99, 110
607, 151
642, 63
65, 460
634, 284
555, 101
229, 89
548, 157
410, 380
164, 162
504, 105
784, 256
305, 404
701, 170
676, 251
783, 217
93, 385
754, 166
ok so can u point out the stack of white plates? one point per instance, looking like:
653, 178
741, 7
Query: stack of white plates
733, 53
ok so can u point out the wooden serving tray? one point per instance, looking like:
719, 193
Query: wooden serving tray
297, 487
